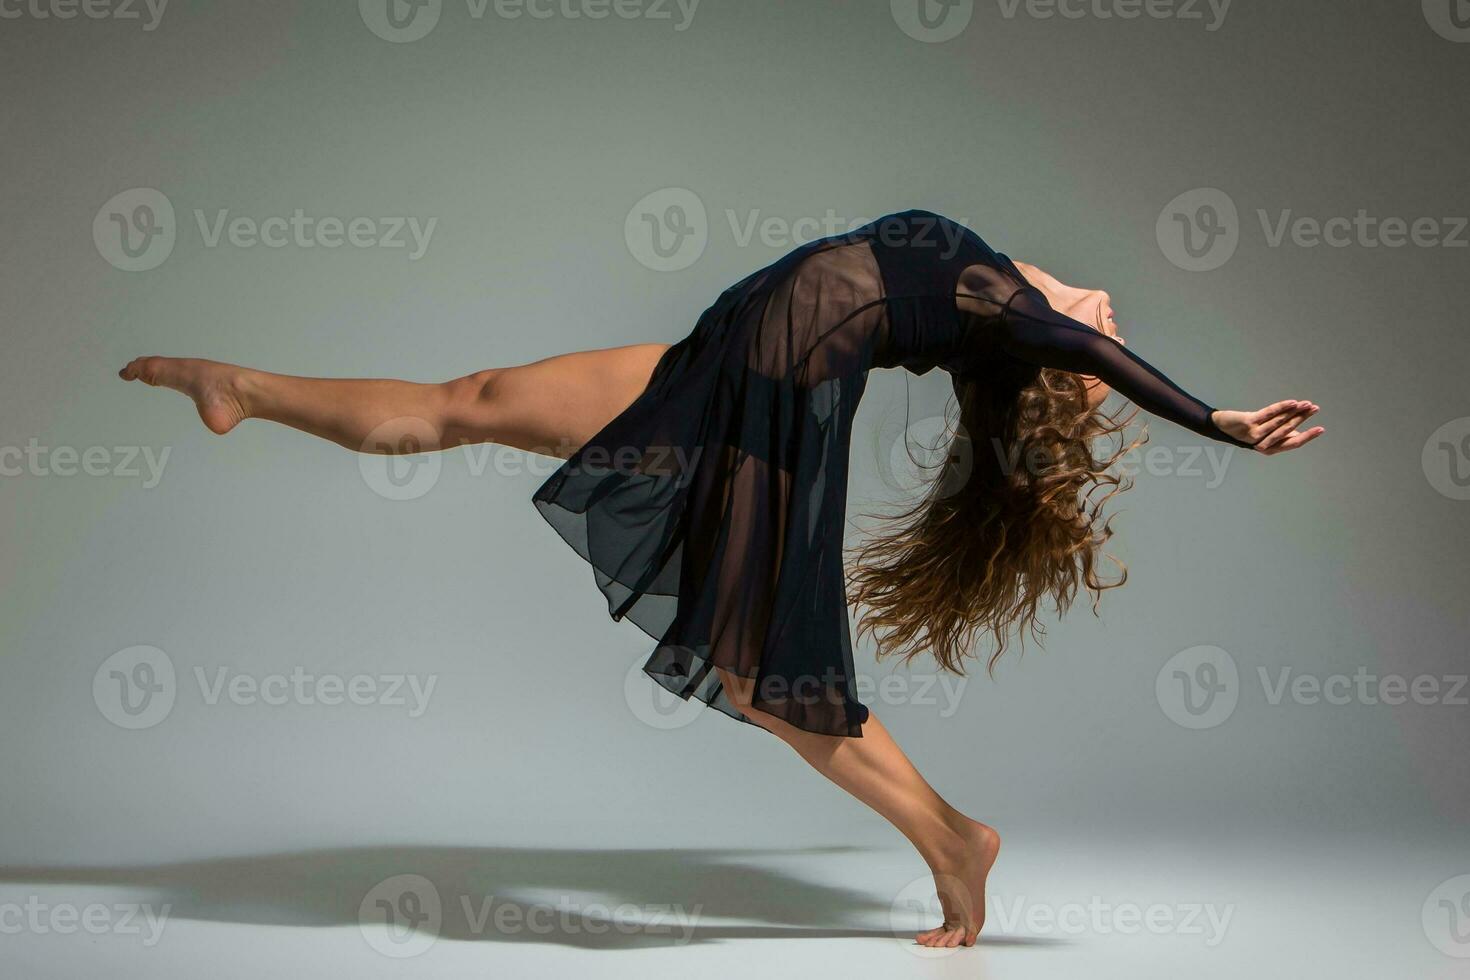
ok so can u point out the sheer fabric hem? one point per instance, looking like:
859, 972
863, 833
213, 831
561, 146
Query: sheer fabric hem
687, 671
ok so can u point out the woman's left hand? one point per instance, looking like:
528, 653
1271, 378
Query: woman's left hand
1273, 429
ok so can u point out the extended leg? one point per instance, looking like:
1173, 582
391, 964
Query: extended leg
551, 406
958, 850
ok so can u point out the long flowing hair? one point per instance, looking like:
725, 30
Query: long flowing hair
1012, 520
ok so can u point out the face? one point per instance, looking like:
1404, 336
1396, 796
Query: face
1092, 307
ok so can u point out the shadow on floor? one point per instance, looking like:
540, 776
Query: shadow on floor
569, 897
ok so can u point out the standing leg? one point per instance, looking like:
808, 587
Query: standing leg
551, 406
958, 850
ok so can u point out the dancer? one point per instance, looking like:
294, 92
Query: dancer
706, 484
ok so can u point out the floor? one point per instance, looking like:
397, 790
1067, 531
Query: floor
1341, 908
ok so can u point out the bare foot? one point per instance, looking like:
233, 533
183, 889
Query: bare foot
960, 880
215, 387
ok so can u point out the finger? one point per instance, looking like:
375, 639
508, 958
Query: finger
1296, 440
1281, 430
1271, 411
1261, 434
1293, 406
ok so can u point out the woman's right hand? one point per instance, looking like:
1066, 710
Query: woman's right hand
1272, 429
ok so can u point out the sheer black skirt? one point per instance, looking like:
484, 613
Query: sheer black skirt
712, 509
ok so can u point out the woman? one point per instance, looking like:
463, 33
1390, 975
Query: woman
706, 482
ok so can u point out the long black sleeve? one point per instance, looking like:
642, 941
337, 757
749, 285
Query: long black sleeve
1030, 330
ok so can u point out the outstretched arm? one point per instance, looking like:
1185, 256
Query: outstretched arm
1030, 330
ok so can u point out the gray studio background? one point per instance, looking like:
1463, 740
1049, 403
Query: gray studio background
530, 142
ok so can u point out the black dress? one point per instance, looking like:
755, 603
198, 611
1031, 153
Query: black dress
712, 510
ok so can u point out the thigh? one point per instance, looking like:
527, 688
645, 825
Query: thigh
554, 405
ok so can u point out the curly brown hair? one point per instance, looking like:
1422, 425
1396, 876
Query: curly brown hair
1002, 526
